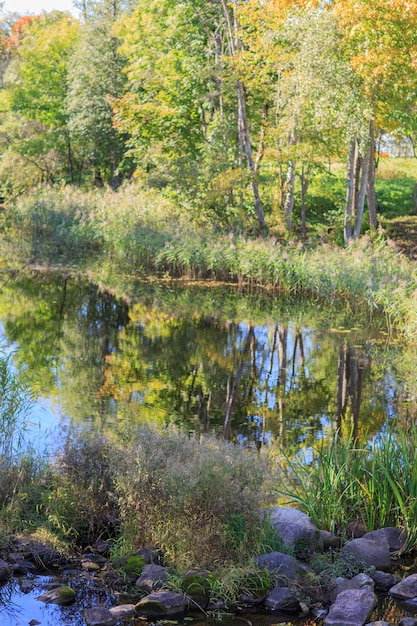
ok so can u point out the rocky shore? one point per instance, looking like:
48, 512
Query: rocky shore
314, 578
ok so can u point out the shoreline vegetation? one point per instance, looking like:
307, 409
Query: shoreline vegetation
207, 490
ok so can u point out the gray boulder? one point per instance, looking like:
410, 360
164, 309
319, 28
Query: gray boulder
407, 621
122, 611
98, 616
339, 584
406, 589
384, 581
281, 599
392, 538
378, 623
281, 564
362, 581
296, 530
162, 604
153, 577
369, 552
351, 608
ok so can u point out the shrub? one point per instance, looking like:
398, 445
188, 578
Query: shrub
181, 495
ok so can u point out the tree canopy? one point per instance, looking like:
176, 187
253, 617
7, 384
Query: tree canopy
232, 107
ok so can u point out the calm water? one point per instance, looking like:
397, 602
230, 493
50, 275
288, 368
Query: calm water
253, 368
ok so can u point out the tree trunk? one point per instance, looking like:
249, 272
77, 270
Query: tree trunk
415, 197
371, 194
242, 119
304, 188
243, 126
361, 196
350, 184
289, 198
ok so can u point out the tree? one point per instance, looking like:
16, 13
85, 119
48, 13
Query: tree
381, 38
95, 79
35, 87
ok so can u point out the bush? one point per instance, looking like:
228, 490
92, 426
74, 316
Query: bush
181, 495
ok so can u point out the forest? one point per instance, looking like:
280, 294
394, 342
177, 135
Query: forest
241, 112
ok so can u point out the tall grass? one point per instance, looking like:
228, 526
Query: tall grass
373, 482
139, 232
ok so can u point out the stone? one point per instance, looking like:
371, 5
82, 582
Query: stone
407, 621
26, 585
58, 595
369, 552
282, 564
281, 599
362, 581
23, 567
153, 577
392, 538
296, 530
122, 611
98, 616
162, 604
339, 584
329, 540
384, 581
406, 589
351, 608
196, 585
5, 570
378, 623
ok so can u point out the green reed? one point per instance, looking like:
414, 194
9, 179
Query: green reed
373, 482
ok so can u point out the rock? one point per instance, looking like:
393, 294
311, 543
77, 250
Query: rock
406, 589
90, 566
152, 578
197, 587
338, 585
23, 567
407, 621
378, 623
281, 599
102, 546
392, 538
58, 595
162, 604
5, 570
296, 530
282, 564
122, 611
98, 616
368, 552
384, 581
351, 608
362, 581
329, 540
34, 622
150, 555
26, 585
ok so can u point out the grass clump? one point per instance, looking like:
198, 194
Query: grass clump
181, 496
374, 482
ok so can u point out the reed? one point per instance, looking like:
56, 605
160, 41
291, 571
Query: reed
374, 482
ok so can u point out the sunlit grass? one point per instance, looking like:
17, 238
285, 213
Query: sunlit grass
372, 482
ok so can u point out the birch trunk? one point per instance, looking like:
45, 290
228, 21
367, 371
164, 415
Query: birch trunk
361, 196
289, 198
371, 193
350, 184
243, 128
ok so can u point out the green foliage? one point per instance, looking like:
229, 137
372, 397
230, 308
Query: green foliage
373, 482
180, 495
